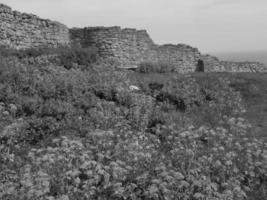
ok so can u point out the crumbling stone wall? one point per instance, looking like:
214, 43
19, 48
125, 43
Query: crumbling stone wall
213, 64
131, 47
127, 45
243, 66
21, 30
183, 57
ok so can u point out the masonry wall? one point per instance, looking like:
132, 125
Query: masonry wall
21, 30
183, 57
126, 45
213, 64
243, 66
131, 47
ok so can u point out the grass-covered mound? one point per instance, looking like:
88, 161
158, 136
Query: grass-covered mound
83, 133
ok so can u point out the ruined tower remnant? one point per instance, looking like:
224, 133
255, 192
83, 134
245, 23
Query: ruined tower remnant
130, 47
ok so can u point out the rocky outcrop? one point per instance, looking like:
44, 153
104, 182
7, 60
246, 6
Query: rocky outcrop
21, 30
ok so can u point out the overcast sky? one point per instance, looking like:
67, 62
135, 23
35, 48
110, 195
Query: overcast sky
209, 25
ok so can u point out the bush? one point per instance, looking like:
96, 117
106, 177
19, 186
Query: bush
155, 67
83, 134
66, 95
25, 53
184, 93
79, 56
67, 56
37, 130
131, 165
203, 101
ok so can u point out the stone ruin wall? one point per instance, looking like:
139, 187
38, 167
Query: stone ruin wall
183, 57
213, 64
125, 45
243, 66
130, 47
21, 30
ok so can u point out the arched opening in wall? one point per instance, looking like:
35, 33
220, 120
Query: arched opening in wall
200, 66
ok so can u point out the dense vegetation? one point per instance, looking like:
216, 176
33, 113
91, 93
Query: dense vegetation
83, 133
67, 57
155, 67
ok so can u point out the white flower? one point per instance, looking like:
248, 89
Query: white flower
63, 197
133, 88
228, 162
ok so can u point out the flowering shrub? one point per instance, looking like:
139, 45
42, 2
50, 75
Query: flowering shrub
83, 134
220, 100
196, 163
67, 57
183, 93
158, 67
80, 56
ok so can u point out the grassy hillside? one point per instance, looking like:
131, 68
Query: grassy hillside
254, 94
252, 87
78, 128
